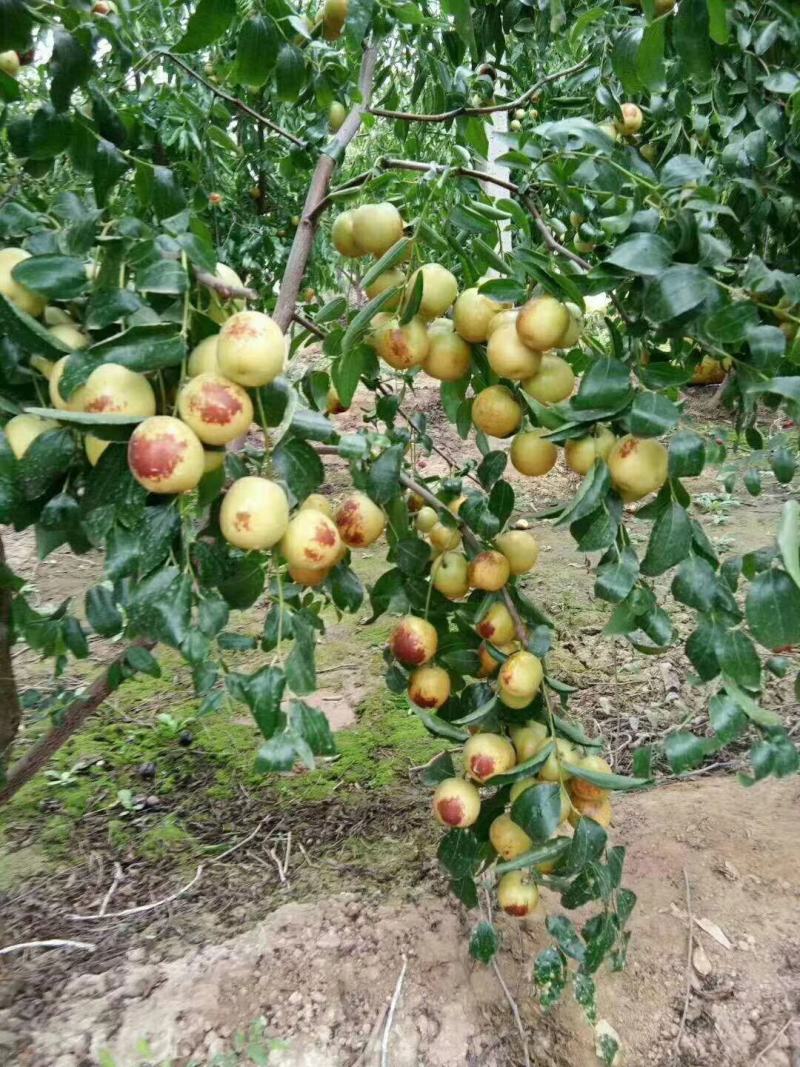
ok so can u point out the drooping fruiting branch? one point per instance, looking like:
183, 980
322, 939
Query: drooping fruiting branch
470, 539
466, 112
72, 719
10, 708
317, 190
234, 101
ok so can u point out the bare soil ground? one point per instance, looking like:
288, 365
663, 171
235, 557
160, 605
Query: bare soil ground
313, 943
322, 973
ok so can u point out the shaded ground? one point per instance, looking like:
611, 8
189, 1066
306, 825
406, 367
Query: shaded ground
127, 806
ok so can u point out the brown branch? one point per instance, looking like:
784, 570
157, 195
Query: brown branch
10, 708
72, 719
227, 292
440, 168
466, 112
549, 237
234, 100
307, 324
317, 190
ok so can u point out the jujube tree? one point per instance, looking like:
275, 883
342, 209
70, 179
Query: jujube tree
178, 191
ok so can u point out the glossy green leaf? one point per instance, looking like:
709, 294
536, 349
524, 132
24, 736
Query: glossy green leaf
670, 540
484, 942
538, 810
772, 609
207, 23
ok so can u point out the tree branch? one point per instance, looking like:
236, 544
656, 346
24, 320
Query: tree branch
473, 542
73, 718
466, 112
307, 324
317, 190
227, 292
234, 100
10, 708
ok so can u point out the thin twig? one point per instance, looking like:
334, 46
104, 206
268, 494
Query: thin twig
288, 852
780, 1033
233, 100
458, 112
688, 991
111, 890
390, 1017
509, 997
239, 844
142, 907
52, 943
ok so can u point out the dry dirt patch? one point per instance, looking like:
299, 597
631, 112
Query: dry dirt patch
322, 973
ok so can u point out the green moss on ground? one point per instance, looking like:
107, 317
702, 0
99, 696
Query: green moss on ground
99, 772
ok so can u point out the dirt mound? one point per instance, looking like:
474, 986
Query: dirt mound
321, 974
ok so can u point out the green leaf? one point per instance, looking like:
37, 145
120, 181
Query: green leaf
297, 464
595, 486
718, 21
484, 942
459, 853
277, 754
526, 769
687, 454
783, 463
108, 166
243, 584
438, 769
347, 370
617, 574
382, 480
650, 60
60, 277
538, 810
256, 51
440, 727
761, 716
691, 37
16, 24
290, 72
301, 674
562, 930
70, 66
606, 384
550, 975
46, 459
207, 23
347, 592
677, 291
263, 693
772, 609
652, 415
618, 782
398, 253
412, 555
313, 727
789, 539
646, 254
143, 661
363, 318
727, 719
685, 750
738, 658
101, 611
670, 540
701, 649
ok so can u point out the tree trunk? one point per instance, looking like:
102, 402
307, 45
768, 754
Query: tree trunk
74, 717
10, 710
